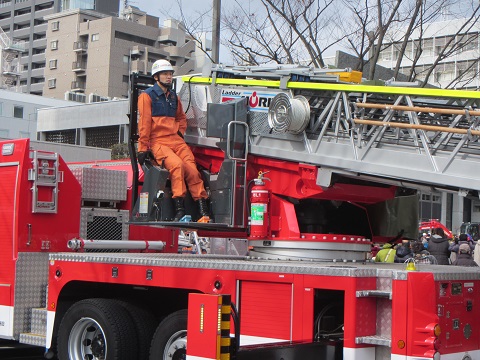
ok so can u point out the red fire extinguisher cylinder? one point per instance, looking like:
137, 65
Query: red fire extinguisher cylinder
259, 199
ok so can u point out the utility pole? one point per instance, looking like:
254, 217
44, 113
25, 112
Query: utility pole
216, 31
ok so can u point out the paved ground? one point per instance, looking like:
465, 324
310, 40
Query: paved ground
12, 351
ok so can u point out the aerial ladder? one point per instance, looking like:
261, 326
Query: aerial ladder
319, 142
395, 132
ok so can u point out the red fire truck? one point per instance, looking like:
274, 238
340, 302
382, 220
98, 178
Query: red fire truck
429, 225
305, 171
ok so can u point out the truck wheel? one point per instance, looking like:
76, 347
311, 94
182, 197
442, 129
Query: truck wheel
170, 339
145, 325
94, 329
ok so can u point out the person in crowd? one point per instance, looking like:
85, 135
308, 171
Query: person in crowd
404, 252
462, 239
161, 127
425, 238
464, 257
438, 247
375, 249
386, 254
421, 255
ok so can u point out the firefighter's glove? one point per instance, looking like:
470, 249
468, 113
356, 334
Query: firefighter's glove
143, 155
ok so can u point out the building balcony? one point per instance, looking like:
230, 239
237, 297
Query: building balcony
21, 33
183, 51
11, 70
138, 66
38, 57
39, 43
38, 72
36, 88
79, 66
78, 86
40, 28
80, 46
136, 52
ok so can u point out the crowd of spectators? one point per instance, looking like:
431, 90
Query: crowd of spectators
433, 248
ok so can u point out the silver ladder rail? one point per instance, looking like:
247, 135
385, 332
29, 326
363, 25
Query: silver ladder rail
45, 177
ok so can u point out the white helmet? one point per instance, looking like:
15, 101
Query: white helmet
161, 65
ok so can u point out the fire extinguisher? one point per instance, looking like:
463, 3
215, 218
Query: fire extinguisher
259, 199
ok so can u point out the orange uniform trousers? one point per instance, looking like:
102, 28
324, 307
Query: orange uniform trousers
179, 161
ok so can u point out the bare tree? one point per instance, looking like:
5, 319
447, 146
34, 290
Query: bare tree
456, 44
281, 31
302, 31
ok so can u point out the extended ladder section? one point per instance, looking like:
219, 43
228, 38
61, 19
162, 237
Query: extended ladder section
399, 134
45, 177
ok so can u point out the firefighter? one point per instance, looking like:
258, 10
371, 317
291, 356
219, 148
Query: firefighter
161, 127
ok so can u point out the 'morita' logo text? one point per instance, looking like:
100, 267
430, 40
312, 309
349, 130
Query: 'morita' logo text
257, 100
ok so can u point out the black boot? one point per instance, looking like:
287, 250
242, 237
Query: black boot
203, 207
179, 209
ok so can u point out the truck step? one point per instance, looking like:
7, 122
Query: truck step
33, 339
375, 293
39, 321
38, 328
374, 340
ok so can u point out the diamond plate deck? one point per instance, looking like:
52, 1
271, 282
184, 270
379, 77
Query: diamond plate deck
30, 288
33, 339
351, 269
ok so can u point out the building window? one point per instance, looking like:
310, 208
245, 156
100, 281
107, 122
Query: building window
126, 58
427, 48
4, 133
18, 112
476, 208
75, 4
1, 109
52, 83
54, 44
125, 78
55, 25
95, 37
53, 64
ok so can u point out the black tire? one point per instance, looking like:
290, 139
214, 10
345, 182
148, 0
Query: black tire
170, 339
97, 329
145, 323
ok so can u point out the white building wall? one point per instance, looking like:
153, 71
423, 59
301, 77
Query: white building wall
434, 35
83, 116
18, 113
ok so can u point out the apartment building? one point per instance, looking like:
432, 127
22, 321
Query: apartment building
24, 21
89, 55
458, 70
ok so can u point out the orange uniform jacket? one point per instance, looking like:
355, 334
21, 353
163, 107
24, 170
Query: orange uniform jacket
159, 129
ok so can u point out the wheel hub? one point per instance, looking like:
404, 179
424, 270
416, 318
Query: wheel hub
87, 341
176, 347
